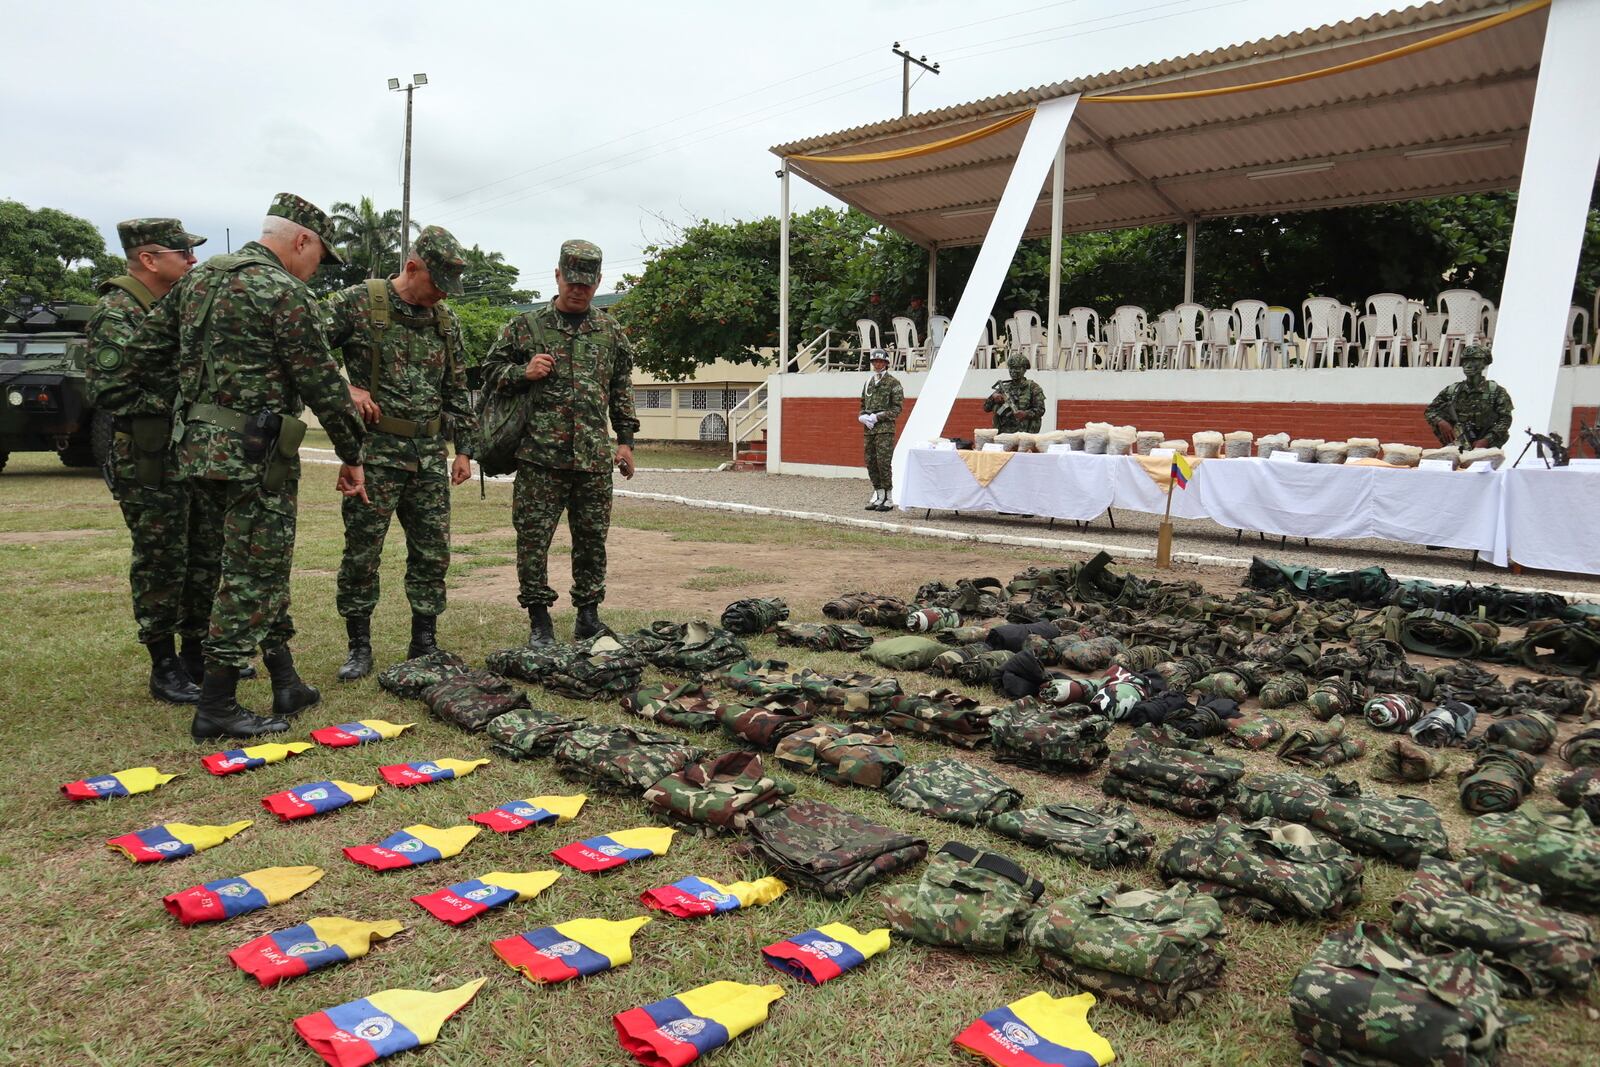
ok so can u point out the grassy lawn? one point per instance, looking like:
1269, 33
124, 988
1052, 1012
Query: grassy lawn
680, 454
98, 973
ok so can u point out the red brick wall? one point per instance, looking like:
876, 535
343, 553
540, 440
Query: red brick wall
1183, 419
824, 429
1589, 415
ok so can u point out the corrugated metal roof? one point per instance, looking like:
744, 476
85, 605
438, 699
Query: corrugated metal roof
1449, 119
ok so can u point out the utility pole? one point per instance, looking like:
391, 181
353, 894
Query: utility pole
417, 82
906, 59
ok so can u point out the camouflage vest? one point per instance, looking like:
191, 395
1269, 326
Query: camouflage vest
966, 899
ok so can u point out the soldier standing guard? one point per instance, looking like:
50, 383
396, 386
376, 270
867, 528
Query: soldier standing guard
575, 366
239, 342
1474, 412
173, 573
1017, 403
401, 347
881, 400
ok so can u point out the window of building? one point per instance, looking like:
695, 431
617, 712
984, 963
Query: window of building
699, 399
713, 428
651, 398
732, 398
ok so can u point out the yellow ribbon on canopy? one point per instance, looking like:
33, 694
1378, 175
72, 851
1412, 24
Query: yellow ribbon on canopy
928, 149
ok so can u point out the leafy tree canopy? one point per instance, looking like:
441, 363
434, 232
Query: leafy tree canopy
48, 255
481, 322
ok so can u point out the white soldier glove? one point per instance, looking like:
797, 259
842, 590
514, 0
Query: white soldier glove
868, 421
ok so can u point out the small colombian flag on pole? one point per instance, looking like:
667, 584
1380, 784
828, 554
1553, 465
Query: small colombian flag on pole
1181, 471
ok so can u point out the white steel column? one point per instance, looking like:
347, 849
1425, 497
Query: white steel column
1558, 173
933, 281
783, 272
1190, 231
1052, 336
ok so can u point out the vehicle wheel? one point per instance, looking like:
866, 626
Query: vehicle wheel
101, 431
78, 453
3, 457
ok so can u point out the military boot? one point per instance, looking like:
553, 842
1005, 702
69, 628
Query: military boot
424, 635
218, 713
540, 631
589, 624
289, 692
169, 681
194, 661
872, 504
358, 628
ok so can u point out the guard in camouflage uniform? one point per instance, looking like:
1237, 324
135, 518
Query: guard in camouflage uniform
173, 573
401, 347
1017, 403
239, 344
1474, 412
881, 400
575, 365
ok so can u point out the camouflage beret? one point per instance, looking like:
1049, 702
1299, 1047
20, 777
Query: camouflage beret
1018, 362
1476, 354
441, 253
580, 262
168, 233
303, 212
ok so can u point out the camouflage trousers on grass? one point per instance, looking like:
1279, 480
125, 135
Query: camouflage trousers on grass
174, 569
421, 499
880, 460
538, 498
256, 530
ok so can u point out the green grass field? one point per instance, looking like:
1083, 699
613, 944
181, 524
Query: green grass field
96, 972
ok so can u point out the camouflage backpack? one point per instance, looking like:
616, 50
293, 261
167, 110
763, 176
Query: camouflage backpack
622, 759
888, 611
843, 757
528, 734
721, 793
410, 678
755, 615
966, 899
472, 698
1049, 739
606, 671
908, 653
953, 790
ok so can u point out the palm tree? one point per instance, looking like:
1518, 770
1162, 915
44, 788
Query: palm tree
369, 238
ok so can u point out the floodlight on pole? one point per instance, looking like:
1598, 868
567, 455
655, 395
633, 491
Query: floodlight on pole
417, 81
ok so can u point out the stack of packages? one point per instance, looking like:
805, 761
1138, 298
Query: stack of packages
1267, 870
1049, 739
1155, 952
942, 715
622, 759
723, 793
1399, 829
1108, 835
952, 790
843, 756
1187, 782
966, 899
1558, 851
816, 846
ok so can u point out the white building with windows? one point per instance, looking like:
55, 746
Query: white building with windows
697, 409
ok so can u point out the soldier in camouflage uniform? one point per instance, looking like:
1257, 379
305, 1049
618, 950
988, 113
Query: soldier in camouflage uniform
1475, 412
1017, 403
401, 347
881, 401
575, 365
173, 573
239, 344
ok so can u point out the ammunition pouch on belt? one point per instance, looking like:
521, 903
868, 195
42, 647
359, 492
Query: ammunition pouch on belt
291, 431
150, 435
270, 439
408, 427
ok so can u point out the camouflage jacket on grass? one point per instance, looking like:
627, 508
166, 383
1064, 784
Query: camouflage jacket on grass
1321, 745
824, 636
1499, 780
1157, 935
754, 615
764, 725
942, 715
691, 649
1399, 829
472, 698
529, 734
1108, 835
836, 853
1162, 1001
1558, 851
622, 759
410, 678
1177, 770
843, 757
1267, 869
687, 706
952, 790
1049, 739
537, 664
1537, 950
606, 672
1368, 997
721, 793
851, 694
966, 899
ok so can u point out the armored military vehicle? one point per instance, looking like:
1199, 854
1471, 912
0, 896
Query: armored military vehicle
44, 405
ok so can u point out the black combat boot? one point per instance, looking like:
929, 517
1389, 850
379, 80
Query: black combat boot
540, 631
589, 624
194, 661
359, 664
424, 635
289, 693
169, 681
218, 713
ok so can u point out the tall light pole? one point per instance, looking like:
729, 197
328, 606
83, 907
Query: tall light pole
417, 82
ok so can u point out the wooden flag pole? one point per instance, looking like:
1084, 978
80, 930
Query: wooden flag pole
1164, 538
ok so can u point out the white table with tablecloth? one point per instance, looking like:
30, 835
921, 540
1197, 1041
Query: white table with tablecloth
1552, 518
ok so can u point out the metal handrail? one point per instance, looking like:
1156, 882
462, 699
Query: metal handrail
752, 410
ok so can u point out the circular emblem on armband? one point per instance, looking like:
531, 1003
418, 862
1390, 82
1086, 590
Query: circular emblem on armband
108, 358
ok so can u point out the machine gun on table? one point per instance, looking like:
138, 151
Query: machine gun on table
1552, 449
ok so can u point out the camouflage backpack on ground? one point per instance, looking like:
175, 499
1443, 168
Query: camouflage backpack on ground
1532, 731
953, 790
687, 706
846, 605
754, 615
605, 672
886, 611
843, 757
622, 759
942, 715
816, 846
966, 899
764, 725
1091, 655
1049, 739
410, 678
472, 698
529, 734
1108, 835
720, 793
1399, 829
824, 637
908, 653
1267, 869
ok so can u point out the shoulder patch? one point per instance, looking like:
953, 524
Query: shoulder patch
108, 358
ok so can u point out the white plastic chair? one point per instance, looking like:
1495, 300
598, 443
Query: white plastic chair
868, 333
1191, 331
1024, 335
983, 357
1166, 342
1432, 337
907, 346
1087, 351
1277, 327
1218, 336
1463, 323
1128, 337
1490, 314
1382, 322
1248, 316
1413, 348
1577, 346
938, 326
1329, 330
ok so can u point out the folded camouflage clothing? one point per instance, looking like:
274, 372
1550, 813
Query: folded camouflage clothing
693, 649
754, 615
1532, 731
816, 846
687, 706
974, 664
472, 698
536, 664
1582, 749
1565, 698
1266, 870
1154, 952
851, 694
952, 790
528, 734
1406, 761
759, 678
1108, 835
1448, 724
1086, 655
1499, 780
824, 636
966, 899
942, 715
1189, 783
1392, 711
622, 759
410, 678
1321, 745
1330, 697
1165, 736
842, 756
1399, 829
606, 669
1536, 950
764, 725
1061, 692
1049, 739
1558, 851
845, 605
1367, 997
907, 653
981, 598
719, 793
1254, 731
927, 620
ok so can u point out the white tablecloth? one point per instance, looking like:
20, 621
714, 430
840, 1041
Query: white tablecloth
1029, 484
1552, 518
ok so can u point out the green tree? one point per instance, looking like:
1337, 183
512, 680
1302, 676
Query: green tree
48, 255
489, 277
369, 240
481, 321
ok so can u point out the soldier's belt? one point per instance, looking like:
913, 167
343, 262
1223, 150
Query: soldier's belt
408, 427
216, 415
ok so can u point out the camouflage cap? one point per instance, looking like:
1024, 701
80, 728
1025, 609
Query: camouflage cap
168, 233
441, 253
1476, 354
1018, 362
580, 262
303, 212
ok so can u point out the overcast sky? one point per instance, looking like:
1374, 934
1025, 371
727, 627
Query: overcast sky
539, 123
